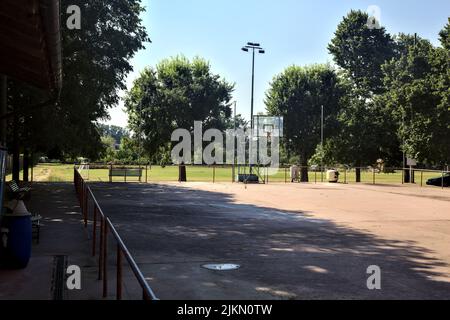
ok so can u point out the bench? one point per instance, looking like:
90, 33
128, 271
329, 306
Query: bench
125, 173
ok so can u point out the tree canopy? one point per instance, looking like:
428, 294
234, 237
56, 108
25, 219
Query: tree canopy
173, 95
361, 51
298, 94
96, 60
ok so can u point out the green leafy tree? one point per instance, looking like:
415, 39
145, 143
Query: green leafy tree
418, 98
113, 131
366, 131
96, 60
361, 51
365, 134
109, 145
445, 36
297, 94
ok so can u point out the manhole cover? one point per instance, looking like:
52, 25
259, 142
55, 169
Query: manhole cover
221, 267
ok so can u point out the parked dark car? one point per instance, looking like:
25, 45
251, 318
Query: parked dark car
438, 181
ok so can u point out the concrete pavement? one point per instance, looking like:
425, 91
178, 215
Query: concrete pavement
292, 241
62, 233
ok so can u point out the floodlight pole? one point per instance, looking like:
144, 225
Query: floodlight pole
253, 89
253, 47
234, 144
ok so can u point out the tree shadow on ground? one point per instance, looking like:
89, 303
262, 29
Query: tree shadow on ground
173, 230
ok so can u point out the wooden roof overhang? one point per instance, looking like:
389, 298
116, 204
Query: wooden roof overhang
30, 42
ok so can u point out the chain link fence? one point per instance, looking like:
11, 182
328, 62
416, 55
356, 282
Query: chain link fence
226, 174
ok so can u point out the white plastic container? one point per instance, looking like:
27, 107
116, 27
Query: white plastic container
333, 176
295, 173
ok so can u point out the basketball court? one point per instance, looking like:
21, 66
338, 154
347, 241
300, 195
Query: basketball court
291, 241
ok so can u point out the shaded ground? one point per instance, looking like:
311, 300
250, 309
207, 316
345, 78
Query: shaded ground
293, 242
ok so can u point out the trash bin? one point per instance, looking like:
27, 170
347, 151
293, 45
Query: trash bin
15, 240
333, 176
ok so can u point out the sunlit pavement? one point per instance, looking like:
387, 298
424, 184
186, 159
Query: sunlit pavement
292, 241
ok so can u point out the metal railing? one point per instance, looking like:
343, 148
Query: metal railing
85, 195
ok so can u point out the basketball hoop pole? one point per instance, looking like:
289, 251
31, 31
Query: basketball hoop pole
252, 46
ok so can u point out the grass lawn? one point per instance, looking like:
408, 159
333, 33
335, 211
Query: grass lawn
64, 173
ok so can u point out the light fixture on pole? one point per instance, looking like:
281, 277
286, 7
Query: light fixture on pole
254, 47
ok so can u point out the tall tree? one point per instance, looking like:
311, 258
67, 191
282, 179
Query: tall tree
174, 95
113, 131
96, 60
297, 94
361, 51
418, 94
445, 36
366, 133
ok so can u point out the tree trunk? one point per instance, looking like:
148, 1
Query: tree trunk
26, 166
304, 170
182, 177
358, 172
358, 175
407, 176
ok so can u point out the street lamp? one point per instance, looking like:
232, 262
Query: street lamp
254, 47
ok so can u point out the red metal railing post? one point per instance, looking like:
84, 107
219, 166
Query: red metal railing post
145, 296
105, 259
94, 232
119, 273
85, 206
100, 256
83, 191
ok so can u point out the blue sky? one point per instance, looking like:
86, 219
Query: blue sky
291, 31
